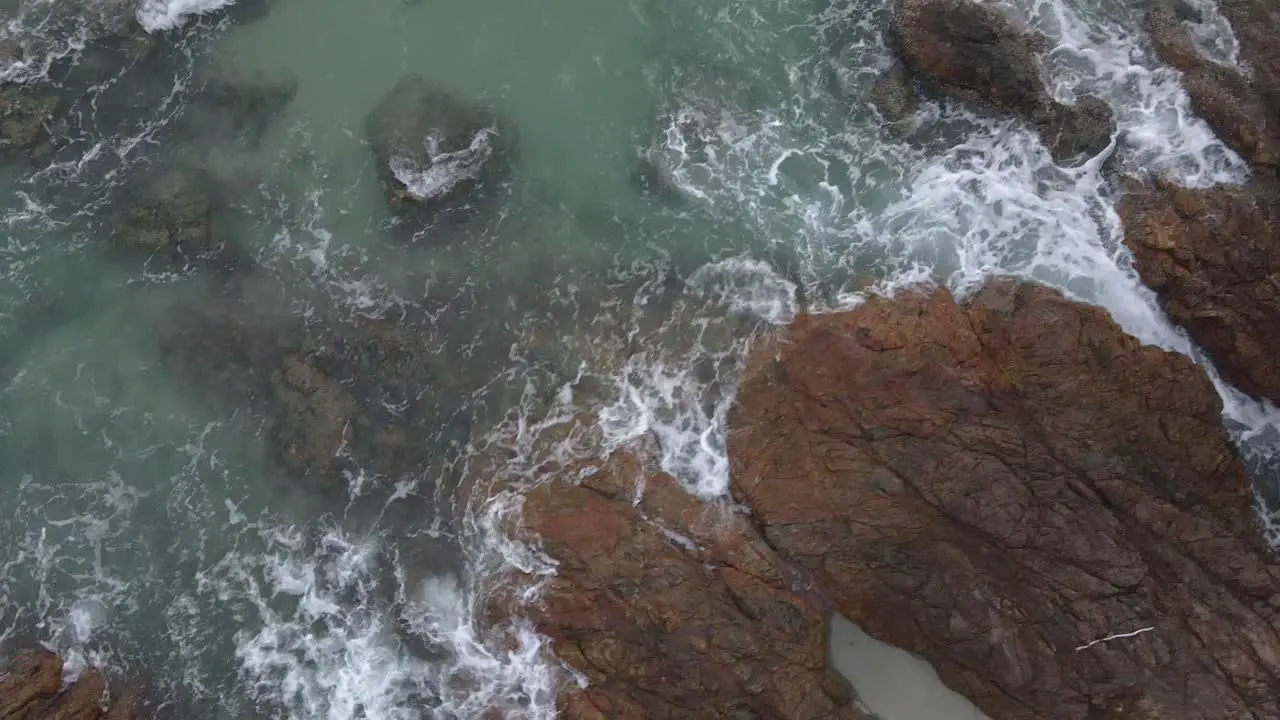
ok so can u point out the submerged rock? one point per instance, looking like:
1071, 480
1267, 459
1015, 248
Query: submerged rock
1213, 257
29, 120
894, 95
1048, 511
437, 154
670, 609
31, 689
240, 103
974, 53
172, 216
314, 417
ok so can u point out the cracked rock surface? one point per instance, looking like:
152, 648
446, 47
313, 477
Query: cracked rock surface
670, 608
995, 484
1213, 255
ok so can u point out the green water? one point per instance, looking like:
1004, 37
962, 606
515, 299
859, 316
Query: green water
150, 527
150, 523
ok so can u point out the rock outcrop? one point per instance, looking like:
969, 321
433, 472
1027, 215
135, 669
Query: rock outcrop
384, 394
671, 609
974, 53
997, 485
1243, 110
31, 689
436, 153
1213, 255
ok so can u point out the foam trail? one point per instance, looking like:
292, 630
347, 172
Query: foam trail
159, 15
682, 399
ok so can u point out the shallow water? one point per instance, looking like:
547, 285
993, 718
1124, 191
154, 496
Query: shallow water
153, 528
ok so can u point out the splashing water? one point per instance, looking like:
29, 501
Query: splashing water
152, 530
157, 15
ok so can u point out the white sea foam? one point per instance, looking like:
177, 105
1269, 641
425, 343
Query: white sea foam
159, 15
321, 639
991, 201
681, 400
443, 171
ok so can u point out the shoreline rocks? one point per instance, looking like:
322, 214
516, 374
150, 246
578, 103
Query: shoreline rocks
1213, 255
1213, 258
1013, 489
31, 688
670, 608
975, 54
995, 485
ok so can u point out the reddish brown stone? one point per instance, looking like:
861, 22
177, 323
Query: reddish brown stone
996, 485
674, 609
81, 701
1213, 258
31, 689
1212, 255
30, 680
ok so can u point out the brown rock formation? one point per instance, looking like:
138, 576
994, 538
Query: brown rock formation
974, 53
1213, 258
1244, 111
1212, 255
673, 609
31, 689
997, 485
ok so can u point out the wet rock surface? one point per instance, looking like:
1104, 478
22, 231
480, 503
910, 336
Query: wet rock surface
1213, 258
974, 53
996, 485
673, 609
438, 154
1212, 254
894, 94
31, 689
1243, 109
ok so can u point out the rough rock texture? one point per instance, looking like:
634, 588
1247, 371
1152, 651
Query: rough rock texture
386, 394
894, 95
1214, 259
1244, 111
671, 609
435, 151
996, 485
1213, 255
974, 53
31, 689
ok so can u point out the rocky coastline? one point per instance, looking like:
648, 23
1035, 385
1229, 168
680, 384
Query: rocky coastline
1006, 485
1009, 487
34, 686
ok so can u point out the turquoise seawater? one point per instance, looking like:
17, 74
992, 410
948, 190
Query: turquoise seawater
685, 173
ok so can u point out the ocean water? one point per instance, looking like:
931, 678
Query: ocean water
149, 528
